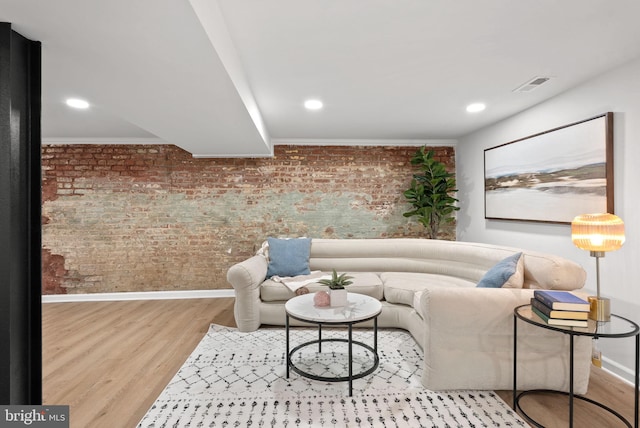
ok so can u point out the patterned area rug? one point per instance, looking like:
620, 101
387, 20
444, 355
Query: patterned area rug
235, 379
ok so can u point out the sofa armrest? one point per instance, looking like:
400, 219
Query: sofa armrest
466, 328
248, 274
245, 278
475, 309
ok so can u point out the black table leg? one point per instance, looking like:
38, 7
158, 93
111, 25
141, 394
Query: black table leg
350, 360
375, 335
637, 379
515, 360
287, 356
571, 382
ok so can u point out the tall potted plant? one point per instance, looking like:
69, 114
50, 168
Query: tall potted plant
430, 192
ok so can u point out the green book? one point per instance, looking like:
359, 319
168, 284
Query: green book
559, 321
552, 313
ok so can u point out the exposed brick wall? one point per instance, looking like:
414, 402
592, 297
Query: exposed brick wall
142, 218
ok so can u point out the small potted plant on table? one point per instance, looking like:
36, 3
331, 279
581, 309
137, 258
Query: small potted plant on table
337, 292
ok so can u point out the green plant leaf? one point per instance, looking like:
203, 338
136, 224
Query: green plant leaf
337, 281
430, 193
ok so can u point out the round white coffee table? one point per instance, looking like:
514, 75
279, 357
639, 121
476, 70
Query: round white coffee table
359, 308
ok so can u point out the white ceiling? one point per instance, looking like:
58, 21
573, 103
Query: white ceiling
228, 77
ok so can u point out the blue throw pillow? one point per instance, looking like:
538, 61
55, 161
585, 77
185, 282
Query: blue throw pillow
506, 270
288, 257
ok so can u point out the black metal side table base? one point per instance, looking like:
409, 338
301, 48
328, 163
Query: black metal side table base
351, 378
350, 343
529, 419
618, 327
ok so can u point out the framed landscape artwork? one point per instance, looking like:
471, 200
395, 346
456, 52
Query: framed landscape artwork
552, 176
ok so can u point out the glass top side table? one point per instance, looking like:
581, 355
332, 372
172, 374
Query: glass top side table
618, 327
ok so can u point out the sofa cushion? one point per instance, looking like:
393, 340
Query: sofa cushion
507, 273
400, 287
288, 257
363, 283
417, 296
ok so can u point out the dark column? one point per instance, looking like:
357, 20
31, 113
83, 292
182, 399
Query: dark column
20, 229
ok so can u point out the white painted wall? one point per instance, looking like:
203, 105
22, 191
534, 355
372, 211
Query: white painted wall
617, 91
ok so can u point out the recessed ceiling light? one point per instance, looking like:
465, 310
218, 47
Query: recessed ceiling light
77, 103
476, 107
313, 104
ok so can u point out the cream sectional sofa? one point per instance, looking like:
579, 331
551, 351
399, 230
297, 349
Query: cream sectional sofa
428, 287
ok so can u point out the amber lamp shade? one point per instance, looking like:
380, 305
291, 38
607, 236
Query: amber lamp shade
598, 233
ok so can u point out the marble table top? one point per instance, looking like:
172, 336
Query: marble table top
359, 307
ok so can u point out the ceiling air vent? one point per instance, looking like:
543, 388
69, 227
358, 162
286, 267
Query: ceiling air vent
531, 84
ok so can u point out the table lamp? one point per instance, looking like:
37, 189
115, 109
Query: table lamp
598, 233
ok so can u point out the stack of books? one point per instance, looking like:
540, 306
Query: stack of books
560, 308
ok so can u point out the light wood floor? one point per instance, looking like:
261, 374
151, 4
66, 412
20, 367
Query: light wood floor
110, 360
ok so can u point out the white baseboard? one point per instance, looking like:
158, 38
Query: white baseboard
138, 295
618, 370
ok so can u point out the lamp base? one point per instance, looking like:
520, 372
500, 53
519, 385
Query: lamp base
600, 308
